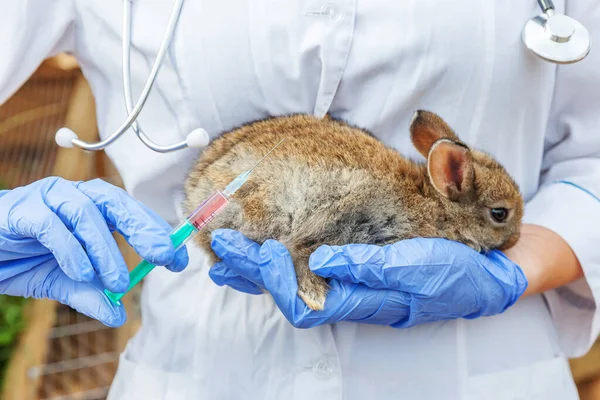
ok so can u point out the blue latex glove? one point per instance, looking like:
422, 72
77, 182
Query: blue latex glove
401, 285
56, 243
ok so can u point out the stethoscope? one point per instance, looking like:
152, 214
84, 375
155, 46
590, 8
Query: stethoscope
198, 138
556, 38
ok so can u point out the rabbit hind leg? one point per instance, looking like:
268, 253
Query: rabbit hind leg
312, 289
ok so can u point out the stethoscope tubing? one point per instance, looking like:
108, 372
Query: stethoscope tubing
133, 112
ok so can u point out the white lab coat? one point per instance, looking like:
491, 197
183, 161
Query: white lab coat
373, 63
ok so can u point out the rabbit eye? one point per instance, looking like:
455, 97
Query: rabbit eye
499, 214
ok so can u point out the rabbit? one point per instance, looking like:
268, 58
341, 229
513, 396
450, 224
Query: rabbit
333, 183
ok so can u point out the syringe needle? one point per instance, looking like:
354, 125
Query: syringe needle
196, 221
239, 180
265, 156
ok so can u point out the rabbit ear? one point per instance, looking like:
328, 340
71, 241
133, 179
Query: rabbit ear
450, 169
426, 128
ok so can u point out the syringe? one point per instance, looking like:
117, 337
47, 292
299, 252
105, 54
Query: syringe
190, 226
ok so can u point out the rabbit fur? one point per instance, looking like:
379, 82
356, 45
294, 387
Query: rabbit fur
333, 183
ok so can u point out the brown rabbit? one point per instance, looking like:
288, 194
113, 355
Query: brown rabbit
332, 183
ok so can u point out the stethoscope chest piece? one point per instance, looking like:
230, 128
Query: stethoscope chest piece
557, 38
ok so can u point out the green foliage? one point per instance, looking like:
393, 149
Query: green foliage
11, 320
12, 323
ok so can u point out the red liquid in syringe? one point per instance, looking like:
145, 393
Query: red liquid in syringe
208, 210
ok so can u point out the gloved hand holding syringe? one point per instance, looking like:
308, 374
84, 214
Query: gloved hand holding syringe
191, 225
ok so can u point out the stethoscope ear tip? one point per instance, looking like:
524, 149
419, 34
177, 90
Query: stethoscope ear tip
64, 138
198, 138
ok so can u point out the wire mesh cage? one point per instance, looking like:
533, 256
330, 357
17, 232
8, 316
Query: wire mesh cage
73, 357
27, 119
81, 359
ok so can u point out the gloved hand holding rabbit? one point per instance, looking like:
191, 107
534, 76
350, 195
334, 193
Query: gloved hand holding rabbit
338, 227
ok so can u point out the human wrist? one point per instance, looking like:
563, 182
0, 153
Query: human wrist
545, 258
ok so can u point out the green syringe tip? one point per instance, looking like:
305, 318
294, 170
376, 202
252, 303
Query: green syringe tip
178, 238
135, 277
114, 297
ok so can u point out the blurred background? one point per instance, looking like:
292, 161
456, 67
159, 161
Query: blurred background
47, 350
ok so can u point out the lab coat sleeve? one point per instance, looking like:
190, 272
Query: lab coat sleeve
568, 200
31, 31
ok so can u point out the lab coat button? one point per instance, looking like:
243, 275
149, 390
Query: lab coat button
333, 12
323, 368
